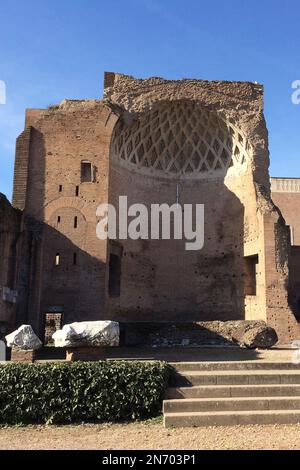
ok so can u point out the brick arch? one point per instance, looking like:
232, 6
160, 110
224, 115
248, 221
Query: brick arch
72, 203
111, 120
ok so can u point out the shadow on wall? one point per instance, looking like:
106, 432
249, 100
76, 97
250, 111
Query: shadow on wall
72, 282
179, 152
294, 281
54, 274
29, 196
10, 238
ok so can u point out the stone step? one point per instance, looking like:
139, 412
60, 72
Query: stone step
223, 391
249, 377
225, 418
191, 405
233, 365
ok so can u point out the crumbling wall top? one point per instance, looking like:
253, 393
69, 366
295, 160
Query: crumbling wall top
237, 103
140, 95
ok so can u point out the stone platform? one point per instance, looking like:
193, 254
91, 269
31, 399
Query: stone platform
206, 354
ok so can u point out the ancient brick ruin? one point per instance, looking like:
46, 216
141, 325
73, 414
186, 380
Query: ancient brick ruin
155, 141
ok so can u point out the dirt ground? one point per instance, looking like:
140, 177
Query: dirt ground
149, 436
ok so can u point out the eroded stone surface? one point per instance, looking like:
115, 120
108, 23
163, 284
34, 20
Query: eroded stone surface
102, 333
24, 338
262, 337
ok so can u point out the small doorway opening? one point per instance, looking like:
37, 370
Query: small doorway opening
53, 323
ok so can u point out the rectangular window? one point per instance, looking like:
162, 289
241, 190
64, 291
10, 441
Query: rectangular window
114, 287
75, 222
57, 259
58, 220
86, 172
77, 191
60, 188
75, 259
250, 274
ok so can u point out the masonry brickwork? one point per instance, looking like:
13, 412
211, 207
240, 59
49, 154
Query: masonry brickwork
286, 195
10, 227
155, 141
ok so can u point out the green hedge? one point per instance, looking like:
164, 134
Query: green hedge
63, 393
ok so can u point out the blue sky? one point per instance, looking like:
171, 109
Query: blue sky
56, 49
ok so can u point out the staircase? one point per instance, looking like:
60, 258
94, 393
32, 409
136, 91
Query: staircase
232, 393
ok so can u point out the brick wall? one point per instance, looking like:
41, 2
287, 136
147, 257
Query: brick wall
10, 221
286, 195
21, 169
60, 139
